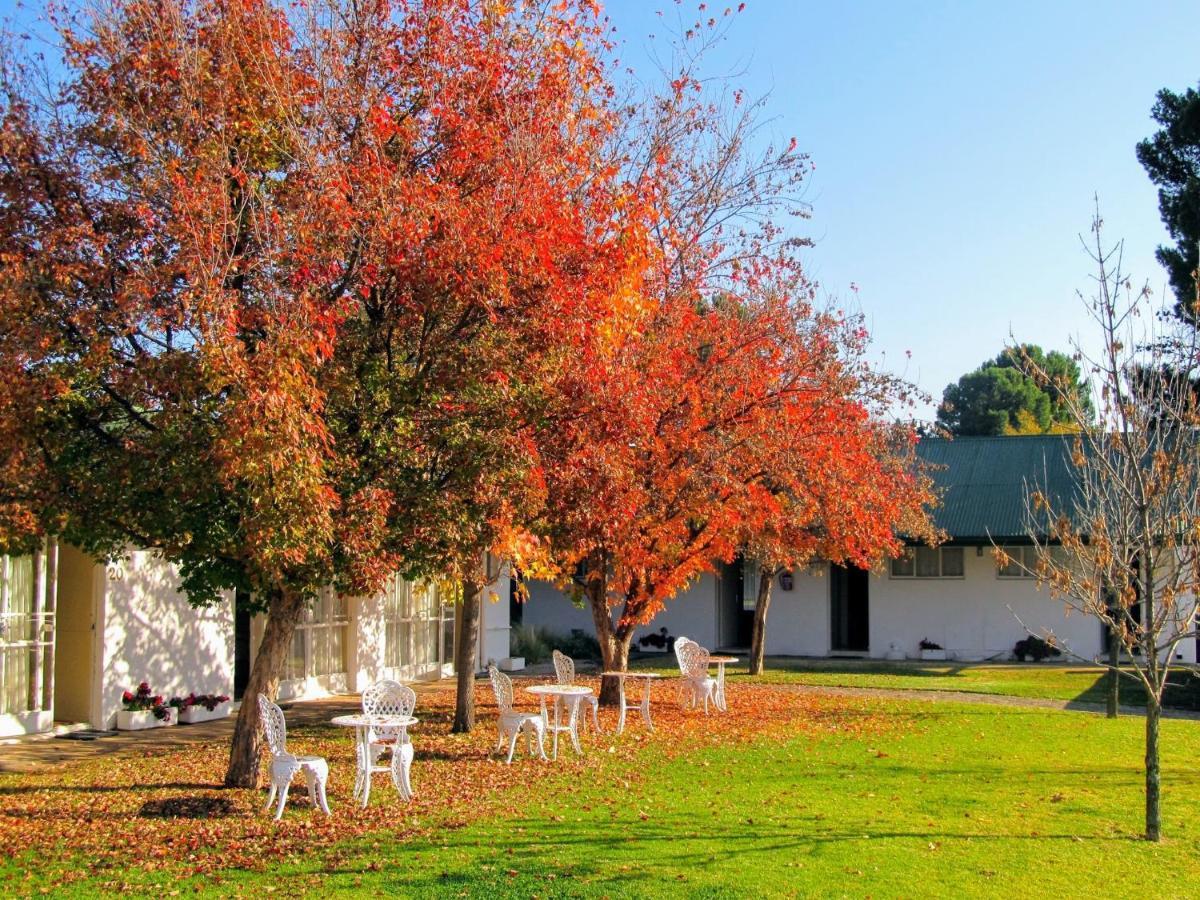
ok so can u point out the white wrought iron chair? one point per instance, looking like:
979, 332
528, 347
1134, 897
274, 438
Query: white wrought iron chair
386, 698
284, 765
696, 685
512, 722
564, 671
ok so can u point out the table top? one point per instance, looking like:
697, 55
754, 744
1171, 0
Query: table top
565, 690
722, 659
632, 674
360, 721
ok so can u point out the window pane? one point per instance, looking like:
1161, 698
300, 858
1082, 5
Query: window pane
952, 562
927, 562
295, 663
902, 566
1013, 569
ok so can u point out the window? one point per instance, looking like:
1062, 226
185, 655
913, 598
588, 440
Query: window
929, 562
419, 627
319, 644
17, 634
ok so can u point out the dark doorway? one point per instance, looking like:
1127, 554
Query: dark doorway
737, 608
850, 623
241, 643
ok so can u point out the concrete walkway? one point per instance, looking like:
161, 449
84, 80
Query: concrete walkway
36, 753
987, 699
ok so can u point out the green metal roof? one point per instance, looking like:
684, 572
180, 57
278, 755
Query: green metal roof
983, 482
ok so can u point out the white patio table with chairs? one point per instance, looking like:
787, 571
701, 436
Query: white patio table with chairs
564, 672
383, 728
568, 696
696, 686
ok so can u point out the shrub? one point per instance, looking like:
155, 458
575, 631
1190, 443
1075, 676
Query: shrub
536, 643
529, 641
1035, 648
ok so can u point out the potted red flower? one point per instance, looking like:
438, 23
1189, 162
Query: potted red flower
142, 708
200, 707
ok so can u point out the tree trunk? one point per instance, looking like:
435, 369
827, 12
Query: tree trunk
758, 635
1114, 677
614, 643
1153, 815
282, 617
464, 657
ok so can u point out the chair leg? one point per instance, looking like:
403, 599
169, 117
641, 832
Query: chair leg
321, 798
282, 801
596, 713
573, 724
541, 736
512, 745
311, 779
271, 796
406, 775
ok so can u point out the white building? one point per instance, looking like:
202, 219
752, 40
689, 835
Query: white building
75, 634
954, 596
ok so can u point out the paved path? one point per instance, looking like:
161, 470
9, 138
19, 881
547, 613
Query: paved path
992, 699
39, 752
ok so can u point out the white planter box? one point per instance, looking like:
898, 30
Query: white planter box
192, 714
512, 663
933, 654
143, 718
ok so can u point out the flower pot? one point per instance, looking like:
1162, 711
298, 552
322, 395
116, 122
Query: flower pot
136, 720
933, 654
190, 715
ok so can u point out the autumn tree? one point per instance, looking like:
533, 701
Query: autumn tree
277, 280
849, 489
725, 382
1130, 534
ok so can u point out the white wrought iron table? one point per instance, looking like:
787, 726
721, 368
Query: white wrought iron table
562, 694
720, 662
363, 725
644, 705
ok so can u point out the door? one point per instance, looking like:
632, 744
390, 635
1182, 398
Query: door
241, 644
850, 623
737, 618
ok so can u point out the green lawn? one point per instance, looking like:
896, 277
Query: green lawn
950, 801
887, 798
1038, 680
947, 800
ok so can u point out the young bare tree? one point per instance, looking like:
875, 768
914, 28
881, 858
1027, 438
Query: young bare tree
1130, 532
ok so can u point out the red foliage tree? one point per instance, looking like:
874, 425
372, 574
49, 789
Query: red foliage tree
731, 411
276, 280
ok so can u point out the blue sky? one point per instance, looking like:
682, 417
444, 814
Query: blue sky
958, 146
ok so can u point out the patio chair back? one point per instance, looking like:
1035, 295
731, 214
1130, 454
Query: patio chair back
681, 643
274, 725
503, 688
564, 668
389, 698
693, 660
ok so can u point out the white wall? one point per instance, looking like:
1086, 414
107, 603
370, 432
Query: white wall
798, 620
151, 633
494, 625
974, 617
693, 613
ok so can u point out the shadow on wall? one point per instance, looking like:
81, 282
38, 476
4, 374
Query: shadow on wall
152, 634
